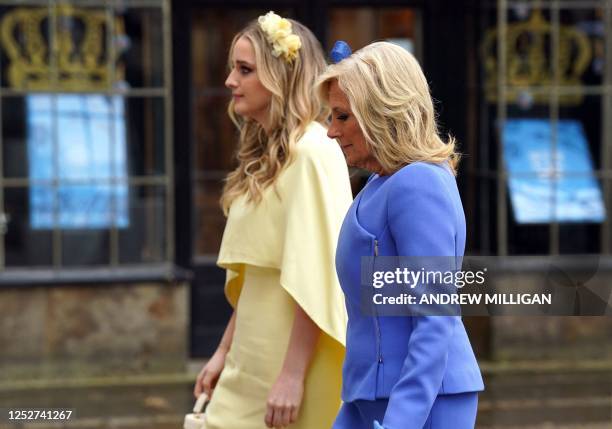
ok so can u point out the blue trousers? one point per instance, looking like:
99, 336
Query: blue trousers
456, 411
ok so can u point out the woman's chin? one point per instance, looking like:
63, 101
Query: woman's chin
350, 161
240, 110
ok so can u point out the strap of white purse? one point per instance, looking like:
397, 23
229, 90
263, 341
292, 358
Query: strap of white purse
195, 420
199, 405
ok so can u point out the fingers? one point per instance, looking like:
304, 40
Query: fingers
277, 421
207, 383
294, 414
286, 417
269, 416
197, 389
204, 383
280, 416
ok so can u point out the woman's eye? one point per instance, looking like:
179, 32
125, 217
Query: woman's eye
342, 117
245, 70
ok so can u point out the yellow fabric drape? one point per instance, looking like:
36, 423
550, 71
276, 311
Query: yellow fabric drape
295, 229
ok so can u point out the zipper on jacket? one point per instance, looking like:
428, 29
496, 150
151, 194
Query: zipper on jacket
376, 323
378, 340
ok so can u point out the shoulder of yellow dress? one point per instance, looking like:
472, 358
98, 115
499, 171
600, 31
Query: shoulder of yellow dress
315, 142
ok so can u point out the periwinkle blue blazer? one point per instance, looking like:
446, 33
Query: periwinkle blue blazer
416, 211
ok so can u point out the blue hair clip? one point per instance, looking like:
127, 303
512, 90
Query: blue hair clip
340, 51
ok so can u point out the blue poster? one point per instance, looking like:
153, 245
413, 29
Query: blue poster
81, 180
547, 185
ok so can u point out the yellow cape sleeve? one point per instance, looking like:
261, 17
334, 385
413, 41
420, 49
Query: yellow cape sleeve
318, 196
295, 229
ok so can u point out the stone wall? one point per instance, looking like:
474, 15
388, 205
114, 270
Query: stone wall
94, 330
553, 337
116, 329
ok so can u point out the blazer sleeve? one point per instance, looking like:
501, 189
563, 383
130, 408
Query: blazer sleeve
422, 221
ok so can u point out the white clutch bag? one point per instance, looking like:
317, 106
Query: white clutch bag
195, 420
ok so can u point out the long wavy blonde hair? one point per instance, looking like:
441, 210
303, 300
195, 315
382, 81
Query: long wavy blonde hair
389, 96
263, 156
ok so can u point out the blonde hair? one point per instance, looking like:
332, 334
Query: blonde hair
294, 105
389, 96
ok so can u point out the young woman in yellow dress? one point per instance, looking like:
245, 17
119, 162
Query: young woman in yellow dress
279, 363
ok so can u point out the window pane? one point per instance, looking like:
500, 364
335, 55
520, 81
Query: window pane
588, 114
488, 58
360, 26
209, 219
551, 174
527, 156
582, 47
83, 60
552, 177
528, 239
90, 131
481, 219
90, 148
146, 122
24, 245
582, 237
92, 206
607, 237
528, 42
140, 45
91, 135
144, 240
15, 133
68, 149
211, 125
25, 53
85, 247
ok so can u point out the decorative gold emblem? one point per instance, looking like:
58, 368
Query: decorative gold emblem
80, 49
530, 63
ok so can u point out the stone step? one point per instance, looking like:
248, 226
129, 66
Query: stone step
549, 398
568, 400
545, 411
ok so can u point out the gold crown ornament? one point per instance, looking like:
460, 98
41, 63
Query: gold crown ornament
530, 63
84, 63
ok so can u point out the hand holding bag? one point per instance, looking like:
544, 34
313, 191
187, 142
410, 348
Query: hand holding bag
195, 420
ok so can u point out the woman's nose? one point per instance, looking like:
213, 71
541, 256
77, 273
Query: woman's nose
230, 82
332, 132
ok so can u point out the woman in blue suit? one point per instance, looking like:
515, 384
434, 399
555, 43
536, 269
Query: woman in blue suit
411, 371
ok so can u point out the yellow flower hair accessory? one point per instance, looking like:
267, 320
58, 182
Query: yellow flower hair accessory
279, 35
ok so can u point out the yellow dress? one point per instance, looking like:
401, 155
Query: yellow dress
279, 252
